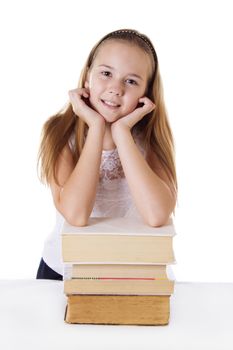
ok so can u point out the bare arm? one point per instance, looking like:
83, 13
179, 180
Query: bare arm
151, 194
75, 198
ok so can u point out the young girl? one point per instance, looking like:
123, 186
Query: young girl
110, 151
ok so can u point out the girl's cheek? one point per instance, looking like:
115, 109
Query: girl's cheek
134, 106
91, 94
92, 100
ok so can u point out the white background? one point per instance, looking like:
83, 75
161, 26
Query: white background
43, 47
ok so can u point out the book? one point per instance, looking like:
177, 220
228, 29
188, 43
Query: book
114, 270
119, 286
118, 240
120, 309
117, 279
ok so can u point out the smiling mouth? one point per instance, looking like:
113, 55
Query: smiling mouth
110, 104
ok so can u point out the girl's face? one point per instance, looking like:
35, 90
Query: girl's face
117, 79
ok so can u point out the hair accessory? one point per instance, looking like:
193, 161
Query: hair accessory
136, 33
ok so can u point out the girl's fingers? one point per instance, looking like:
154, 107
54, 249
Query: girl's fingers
76, 98
146, 101
79, 92
148, 105
85, 94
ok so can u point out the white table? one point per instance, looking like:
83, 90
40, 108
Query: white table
32, 312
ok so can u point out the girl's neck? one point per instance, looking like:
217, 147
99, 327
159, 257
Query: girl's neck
108, 143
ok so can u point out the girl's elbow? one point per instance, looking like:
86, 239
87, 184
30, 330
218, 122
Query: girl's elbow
156, 222
157, 219
74, 219
80, 222
158, 214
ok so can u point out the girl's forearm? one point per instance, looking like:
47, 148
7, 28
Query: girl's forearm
78, 194
151, 194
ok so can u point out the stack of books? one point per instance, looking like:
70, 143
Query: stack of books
115, 272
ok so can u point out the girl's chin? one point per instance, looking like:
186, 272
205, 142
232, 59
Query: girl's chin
111, 119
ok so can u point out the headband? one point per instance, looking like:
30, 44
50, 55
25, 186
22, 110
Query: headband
135, 33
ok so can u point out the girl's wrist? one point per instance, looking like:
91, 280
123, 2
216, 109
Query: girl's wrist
119, 130
98, 126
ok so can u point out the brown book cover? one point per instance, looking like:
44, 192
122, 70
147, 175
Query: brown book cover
118, 309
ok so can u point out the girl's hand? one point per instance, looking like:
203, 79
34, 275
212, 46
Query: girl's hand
131, 119
79, 99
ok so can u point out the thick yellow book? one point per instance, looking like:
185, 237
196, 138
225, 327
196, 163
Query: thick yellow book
120, 309
118, 240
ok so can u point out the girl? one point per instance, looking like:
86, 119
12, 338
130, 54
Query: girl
110, 151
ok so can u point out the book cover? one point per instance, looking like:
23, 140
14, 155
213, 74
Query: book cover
112, 309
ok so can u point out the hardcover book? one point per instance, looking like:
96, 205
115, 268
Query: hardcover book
121, 309
118, 240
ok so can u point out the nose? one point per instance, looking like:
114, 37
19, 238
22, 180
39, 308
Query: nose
116, 89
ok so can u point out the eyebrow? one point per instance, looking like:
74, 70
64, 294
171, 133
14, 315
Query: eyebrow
131, 74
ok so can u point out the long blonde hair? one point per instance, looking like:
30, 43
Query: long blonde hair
154, 127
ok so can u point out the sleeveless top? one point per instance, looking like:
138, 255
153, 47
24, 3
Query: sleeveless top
113, 199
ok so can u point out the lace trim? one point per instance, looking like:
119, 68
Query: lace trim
111, 168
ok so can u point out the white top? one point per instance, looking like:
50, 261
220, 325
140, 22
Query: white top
113, 199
